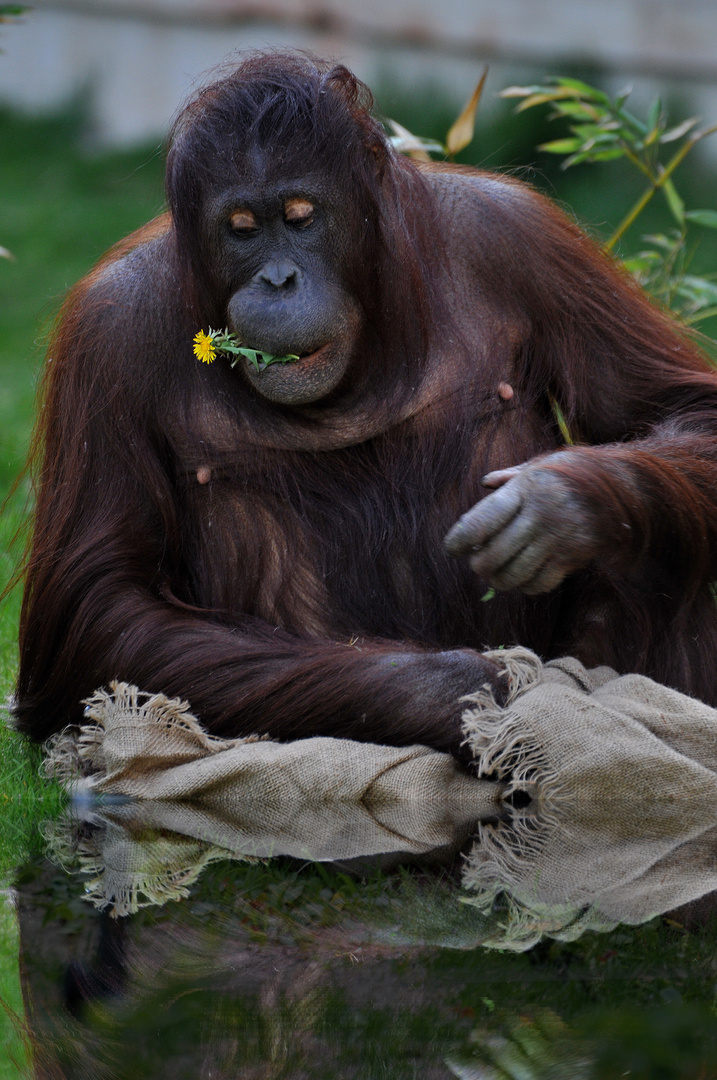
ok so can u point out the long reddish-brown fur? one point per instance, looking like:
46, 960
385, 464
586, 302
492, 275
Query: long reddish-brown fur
305, 589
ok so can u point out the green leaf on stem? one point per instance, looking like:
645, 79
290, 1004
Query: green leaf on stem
706, 218
561, 146
675, 202
677, 132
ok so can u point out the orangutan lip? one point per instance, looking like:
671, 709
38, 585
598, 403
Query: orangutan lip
310, 357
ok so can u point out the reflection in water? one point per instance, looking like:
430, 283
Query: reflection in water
388, 916
285, 968
288, 969
546, 871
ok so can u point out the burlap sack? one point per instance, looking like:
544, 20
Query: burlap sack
313, 798
623, 820
619, 773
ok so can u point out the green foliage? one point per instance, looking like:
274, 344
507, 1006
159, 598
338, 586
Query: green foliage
602, 129
662, 270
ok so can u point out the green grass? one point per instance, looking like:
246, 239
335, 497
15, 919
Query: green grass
60, 210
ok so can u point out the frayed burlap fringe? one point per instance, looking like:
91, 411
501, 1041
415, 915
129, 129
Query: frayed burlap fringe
125, 700
316, 798
622, 822
503, 748
129, 897
78, 752
128, 871
506, 751
617, 820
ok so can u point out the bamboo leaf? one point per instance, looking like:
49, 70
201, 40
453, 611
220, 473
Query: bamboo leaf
601, 138
561, 421
587, 131
542, 98
521, 91
664, 243
653, 117
630, 121
706, 218
674, 201
582, 88
698, 316
576, 159
698, 290
591, 155
561, 146
414, 146
677, 132
640, 265
460, 134
652, 137
607, 155
577, 110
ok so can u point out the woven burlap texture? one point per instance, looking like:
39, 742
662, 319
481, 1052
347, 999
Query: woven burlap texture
621, 773
313, 798
623, 822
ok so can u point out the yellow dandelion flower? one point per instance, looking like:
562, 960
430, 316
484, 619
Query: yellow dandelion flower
204, 349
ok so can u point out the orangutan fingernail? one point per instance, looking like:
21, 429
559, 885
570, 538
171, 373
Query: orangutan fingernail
505, 391
204, 475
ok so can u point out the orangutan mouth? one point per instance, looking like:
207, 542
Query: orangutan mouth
311, 357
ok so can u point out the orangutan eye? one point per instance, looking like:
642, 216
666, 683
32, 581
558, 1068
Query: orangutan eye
298, 212
243, 221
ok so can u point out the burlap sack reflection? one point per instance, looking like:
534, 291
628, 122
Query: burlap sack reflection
623, 825
621, 774
313, 798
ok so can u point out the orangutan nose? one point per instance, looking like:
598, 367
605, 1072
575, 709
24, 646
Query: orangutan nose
279, 273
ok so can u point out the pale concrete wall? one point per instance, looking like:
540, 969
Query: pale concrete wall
142, 57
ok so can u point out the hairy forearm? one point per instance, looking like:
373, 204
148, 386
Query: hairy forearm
655, 497
251, 678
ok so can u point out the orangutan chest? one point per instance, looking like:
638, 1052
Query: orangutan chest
315, 565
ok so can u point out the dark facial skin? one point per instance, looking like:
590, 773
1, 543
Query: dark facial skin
281, 255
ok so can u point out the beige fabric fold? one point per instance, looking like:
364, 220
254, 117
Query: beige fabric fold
623, 820
313, 798
619, 774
